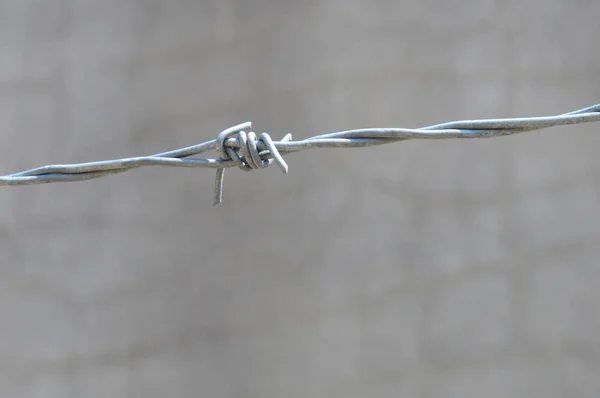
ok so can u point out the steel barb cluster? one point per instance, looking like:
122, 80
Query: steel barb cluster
239, 147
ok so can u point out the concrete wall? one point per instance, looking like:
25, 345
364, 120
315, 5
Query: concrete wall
421, 269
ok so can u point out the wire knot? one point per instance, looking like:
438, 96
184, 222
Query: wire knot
247, 151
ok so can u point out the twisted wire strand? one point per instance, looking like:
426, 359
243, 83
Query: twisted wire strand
238, 147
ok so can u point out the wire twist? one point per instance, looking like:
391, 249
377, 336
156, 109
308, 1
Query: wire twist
243, 151
238, 148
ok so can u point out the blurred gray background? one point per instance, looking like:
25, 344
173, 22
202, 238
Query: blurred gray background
420, 269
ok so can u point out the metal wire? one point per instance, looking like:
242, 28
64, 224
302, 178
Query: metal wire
238, 148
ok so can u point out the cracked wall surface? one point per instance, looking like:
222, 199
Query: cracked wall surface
454, 268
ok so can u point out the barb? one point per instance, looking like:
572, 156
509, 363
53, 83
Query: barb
238, 148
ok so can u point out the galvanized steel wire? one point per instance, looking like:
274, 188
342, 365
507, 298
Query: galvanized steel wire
239, 147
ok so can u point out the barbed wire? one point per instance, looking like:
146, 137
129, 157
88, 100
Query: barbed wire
247, 151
